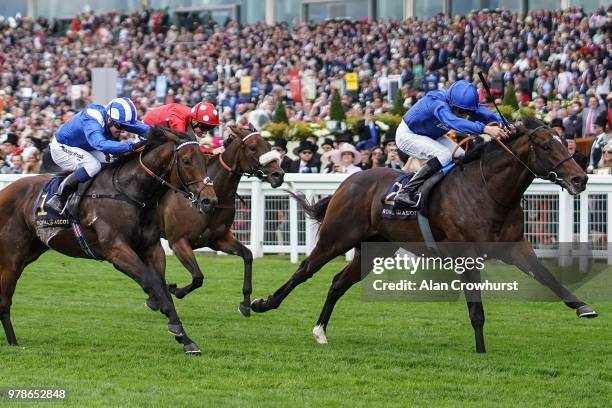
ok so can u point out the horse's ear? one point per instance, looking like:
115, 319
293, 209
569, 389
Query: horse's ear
170, 135
252, 127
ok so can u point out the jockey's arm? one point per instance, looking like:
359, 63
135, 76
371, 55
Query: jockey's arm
485, 115
94, 133
446, 116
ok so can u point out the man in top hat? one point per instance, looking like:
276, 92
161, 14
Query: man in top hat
601, 138
557, 125
8, 145
280, 145
305, 162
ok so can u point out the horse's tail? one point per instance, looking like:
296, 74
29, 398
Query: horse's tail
314, 210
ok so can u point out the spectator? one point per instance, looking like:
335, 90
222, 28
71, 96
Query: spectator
16, 164
366, 159
346, 159
577, 155
378, 157
31, 160
601, 139
590, 115
605, 163
280, 145
305, 163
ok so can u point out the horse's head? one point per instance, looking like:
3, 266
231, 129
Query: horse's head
549, 159
254, 154
185, 167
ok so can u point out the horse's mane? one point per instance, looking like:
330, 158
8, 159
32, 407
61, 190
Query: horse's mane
475, 153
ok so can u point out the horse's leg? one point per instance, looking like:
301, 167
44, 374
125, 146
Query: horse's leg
12, 264
475, 309
322, 253
156, 261
183, 251
126, 260
9, 274
523, 256
342, 282
229, 244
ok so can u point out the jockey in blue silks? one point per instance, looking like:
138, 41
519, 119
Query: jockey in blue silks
88, 139
421, 133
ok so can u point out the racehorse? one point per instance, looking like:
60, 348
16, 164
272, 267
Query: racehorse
246, 153
489, 189
119, 218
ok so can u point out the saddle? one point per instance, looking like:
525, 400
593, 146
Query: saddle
49, 222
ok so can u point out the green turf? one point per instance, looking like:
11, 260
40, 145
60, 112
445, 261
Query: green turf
83, 325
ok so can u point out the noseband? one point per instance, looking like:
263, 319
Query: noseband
263, 161
184, 185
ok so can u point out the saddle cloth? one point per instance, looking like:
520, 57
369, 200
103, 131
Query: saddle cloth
393, 210
49, 222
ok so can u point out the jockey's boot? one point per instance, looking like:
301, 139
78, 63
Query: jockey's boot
410, 194
68, 186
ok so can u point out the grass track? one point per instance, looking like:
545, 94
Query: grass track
83, 325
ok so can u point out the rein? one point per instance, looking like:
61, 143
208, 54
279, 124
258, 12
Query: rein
552, 175
183, 191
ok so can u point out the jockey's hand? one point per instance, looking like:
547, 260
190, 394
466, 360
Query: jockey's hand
496, 131
139, 146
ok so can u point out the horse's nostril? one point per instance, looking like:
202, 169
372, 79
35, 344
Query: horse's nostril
579, 180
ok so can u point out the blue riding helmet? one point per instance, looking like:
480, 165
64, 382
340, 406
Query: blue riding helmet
123, 112
463, 95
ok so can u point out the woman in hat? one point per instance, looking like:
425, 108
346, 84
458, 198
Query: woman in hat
605, 163
346, 159
305, 162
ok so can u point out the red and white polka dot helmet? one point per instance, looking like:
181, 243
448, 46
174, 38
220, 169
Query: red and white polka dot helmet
206, 113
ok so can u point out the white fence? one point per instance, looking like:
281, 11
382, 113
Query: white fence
268, 221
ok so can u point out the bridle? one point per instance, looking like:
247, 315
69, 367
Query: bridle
550, 174
184, 190
259, 165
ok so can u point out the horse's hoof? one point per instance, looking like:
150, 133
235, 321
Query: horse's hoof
192, 349
176, 330
172, 288
258, 305
319, 334
244, 310
152, 304
586, 311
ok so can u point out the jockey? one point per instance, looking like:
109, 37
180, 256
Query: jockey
87, 139
202, 118
421, 133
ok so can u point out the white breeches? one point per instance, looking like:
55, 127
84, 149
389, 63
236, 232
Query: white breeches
425, 148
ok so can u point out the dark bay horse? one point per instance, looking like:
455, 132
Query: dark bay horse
246, 152
119, 219
479, 204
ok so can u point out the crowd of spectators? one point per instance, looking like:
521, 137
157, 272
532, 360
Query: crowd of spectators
551, 57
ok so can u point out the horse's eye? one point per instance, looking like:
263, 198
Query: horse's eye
546, 146
186, 160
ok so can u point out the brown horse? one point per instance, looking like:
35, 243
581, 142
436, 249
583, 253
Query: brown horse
489, 190
246, 153
119, 219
